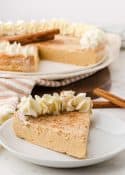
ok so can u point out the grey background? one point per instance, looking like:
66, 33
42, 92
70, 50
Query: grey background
102, 12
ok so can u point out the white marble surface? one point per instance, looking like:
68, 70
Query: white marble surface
10, 165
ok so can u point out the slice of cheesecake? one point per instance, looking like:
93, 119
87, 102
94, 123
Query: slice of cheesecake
65, 133
67, 49
59, 122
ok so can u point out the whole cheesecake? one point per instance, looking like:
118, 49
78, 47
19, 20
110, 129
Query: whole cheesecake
76, 44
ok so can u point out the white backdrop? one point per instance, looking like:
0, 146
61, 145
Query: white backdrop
102, 12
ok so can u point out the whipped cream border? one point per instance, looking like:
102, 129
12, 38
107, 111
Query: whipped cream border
54, 104
90, 36
17, 49
22, 27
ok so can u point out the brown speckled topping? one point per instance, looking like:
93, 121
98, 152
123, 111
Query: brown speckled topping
72, 122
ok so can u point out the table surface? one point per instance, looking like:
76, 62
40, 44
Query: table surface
10, 165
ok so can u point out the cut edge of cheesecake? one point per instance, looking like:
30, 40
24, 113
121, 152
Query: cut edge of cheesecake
19, 63
66, 133
67, 50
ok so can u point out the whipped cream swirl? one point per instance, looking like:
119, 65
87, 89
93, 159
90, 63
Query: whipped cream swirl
54, 104
17, 49
6, 111
92, 38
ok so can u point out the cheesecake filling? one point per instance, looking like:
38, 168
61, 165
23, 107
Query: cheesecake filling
54, 104
17, 49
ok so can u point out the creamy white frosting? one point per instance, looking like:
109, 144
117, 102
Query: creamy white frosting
54, 104
6, 111
22, 27
92, 38
6, 28
17, 49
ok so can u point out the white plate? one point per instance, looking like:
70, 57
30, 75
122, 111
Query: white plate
54, 70
107, 139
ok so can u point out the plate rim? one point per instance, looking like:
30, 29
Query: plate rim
58, 76
81, 68
44, 162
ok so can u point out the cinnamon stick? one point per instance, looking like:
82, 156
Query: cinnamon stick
104, 104
32, 38
112, 98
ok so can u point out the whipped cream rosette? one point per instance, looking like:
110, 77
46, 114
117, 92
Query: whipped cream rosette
54, 104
